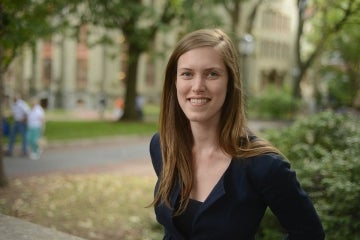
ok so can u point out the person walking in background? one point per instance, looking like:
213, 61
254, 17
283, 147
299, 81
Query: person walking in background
20, 110
215, 177
119, 108
36, 126
139, 105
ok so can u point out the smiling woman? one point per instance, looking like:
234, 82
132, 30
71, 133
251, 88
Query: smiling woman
215, 177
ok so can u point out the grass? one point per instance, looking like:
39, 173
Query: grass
69, 130
64, 125
98, 207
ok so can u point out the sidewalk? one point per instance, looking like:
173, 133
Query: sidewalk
125, 155
16, 229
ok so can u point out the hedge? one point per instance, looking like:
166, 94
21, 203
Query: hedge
324, 151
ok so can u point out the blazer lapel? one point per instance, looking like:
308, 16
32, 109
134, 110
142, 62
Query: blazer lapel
217, 192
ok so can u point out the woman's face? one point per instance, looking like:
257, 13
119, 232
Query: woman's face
201, 84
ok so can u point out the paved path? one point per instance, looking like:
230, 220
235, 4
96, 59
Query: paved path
130, 154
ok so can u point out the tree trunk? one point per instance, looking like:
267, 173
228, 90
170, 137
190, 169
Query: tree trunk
296, 91
59, 95
130, 113
3, 179
252, 16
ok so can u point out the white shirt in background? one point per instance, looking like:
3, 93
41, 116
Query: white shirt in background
36, 116
20, 109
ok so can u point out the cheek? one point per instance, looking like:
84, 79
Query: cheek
222, 96
181, 90
221, 90
179, 94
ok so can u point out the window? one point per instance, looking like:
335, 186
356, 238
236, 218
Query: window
275, 21
274, 49
47, 69
46, 54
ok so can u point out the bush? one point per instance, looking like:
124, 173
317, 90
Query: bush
324, 150
342, 92
273, 103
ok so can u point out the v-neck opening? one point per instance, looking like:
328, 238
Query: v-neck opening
219, 181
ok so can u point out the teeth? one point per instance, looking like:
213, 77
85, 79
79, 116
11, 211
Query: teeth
198, 100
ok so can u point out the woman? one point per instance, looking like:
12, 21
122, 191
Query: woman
215, 179
36, 124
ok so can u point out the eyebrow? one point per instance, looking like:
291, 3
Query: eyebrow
206, 69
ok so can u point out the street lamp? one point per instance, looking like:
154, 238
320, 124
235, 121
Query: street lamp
246, 48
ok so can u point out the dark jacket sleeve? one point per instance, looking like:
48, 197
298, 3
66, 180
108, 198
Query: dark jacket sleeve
155, 153
281, 191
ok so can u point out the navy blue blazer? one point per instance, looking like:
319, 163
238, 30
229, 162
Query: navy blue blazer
236, 205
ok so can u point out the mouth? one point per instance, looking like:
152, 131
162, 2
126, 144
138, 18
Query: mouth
199, 101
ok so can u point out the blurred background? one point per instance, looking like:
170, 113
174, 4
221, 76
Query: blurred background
97, 67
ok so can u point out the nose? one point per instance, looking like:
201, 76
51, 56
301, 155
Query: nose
198, 84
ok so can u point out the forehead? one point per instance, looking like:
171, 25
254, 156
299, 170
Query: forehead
203, 56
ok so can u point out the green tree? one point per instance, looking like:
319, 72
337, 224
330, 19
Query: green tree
342, 70
318, 22
21, 24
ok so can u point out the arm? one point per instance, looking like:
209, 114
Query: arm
282, 192
155, 153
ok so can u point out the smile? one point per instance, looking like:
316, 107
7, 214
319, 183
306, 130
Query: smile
199, 101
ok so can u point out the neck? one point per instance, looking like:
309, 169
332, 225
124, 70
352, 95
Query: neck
205, 137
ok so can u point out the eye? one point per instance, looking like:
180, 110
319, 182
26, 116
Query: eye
212, 74
185, 74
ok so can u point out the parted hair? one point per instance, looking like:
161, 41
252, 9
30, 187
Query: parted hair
176, 137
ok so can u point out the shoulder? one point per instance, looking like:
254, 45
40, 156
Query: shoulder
266, 168
39, 109
155, 153
24, 105
155, 144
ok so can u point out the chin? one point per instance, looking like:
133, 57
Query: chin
202, 117
197, 118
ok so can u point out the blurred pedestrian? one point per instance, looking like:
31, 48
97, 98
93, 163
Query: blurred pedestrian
139, 105
119, 108
5, 127
20, 110
36, 127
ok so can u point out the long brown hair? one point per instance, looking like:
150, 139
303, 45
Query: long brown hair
174, 128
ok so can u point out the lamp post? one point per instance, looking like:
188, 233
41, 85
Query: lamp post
246, 48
